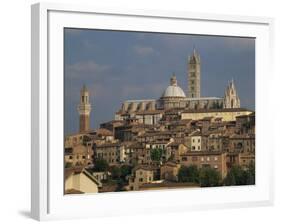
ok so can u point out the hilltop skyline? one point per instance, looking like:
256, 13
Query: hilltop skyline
118, 66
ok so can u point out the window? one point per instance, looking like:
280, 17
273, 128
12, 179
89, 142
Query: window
208, 158
184, 158
193, 147
202, 159
199, 140
84, 157
216, 158
70, 157
140, 180
215, 166
194, 158
193, 140
198, 147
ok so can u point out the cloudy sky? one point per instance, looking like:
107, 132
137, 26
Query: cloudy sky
117, 66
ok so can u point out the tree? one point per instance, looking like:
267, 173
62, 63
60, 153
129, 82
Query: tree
68, 165
156, 154
229, 180
188, 174
252, 173
115, 172
209, 177
239, 176
125, 170
100, 165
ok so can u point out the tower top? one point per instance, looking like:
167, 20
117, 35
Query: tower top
194, 58
84, 88
173, 80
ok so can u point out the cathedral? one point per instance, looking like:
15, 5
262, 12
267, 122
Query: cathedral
174, 97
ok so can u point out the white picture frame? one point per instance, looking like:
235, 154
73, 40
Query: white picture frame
48, 201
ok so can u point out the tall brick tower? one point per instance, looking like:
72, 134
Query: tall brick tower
84, 110
193, 88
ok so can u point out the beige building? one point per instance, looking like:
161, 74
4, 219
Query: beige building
140, 175
78, 180
78, 155
110, 152
169, 171
245, 159
228, 114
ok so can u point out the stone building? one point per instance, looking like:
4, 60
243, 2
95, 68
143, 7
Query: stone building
79, 155
110, 152
140, 175
152, 110
169, 171
216, 160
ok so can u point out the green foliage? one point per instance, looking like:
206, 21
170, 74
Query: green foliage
100, 165
209, 177
156, 154
188, 174
125, 170
115, 172
68, 165
239, 176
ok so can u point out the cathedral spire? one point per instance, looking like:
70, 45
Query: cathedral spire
231, 98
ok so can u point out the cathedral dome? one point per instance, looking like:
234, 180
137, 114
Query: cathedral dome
173, 90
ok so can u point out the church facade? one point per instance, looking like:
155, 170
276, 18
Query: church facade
175, 98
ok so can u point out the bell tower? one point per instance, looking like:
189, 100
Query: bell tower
84, 110
193, 88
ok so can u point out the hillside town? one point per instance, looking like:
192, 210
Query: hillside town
181, 140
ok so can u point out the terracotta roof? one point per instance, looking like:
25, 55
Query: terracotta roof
202, 153
149, 112
171, 164
144, 167
104, 132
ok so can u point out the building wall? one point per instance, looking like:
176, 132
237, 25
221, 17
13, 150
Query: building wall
108, 152
216, 161
226, 116
140, 177
196, 143
81, 182
80, 155
169, 172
